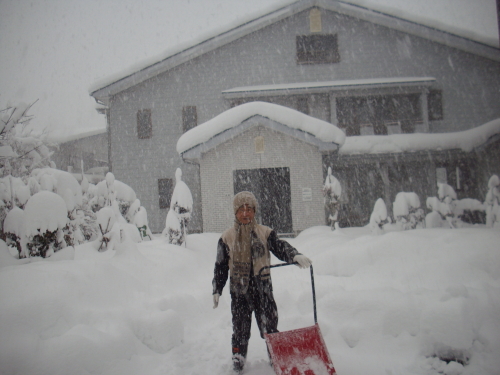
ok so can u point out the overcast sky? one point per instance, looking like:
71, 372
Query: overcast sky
53, 51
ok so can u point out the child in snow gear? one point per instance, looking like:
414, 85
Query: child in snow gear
242, 251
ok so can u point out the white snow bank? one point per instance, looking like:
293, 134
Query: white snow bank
376, 144
235, 116
397, 303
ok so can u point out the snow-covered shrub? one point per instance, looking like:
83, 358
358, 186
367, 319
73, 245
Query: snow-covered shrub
407, 212
13, 226
448, 197
469, 210
110, 190
173, 230
45, 216
434, 219
13, 193
181, 207
379, 217
445, 208
109, 231
141, 222
132, 211
331, 192
492, 202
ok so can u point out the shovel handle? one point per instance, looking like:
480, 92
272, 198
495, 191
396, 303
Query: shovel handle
312, 283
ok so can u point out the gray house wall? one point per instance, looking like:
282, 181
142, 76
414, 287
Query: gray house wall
469, 84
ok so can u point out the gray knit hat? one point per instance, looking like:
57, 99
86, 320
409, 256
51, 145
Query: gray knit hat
242, 198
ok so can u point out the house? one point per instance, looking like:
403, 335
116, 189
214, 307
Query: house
366, 73
88, 150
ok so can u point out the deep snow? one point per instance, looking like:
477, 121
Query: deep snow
387, 304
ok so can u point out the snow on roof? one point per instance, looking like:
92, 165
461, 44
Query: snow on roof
231, 118
396, 143
84, 134
329, 85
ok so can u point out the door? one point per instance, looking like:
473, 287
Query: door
271, 187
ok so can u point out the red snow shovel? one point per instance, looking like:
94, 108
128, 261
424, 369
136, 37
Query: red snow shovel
300, 351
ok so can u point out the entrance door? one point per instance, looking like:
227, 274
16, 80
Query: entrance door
271, 187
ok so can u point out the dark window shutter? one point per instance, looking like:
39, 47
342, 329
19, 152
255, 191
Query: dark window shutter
144, 124
189, 118
165, 190
317, 49
435, 105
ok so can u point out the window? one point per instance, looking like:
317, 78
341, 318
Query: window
379, 115
165, 190
144, 125
435, 105
441, 175
189, 118
317, 49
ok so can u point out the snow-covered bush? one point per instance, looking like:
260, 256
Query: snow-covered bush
407, 212
173, 230
110, 190
109, 231
435, 218
13, 227
445, 208
141, 222
379, 217
492, 202
45, 216
331, 192
448, 196
469, 210
181, 207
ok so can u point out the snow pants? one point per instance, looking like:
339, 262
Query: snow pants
262, 305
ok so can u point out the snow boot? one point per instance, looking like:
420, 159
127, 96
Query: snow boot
239, 355
238, 363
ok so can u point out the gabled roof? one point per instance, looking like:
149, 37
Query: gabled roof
105, 90
192, 144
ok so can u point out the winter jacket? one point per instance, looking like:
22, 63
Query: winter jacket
264, 241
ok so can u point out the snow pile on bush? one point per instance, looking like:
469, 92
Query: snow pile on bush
492, 202
181, 207
407, 212
49, 210
379, 217
332, 190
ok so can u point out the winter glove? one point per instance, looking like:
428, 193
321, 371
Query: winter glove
216, 300
302, 260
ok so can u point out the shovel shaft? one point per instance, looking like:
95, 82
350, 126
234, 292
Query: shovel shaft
312, 283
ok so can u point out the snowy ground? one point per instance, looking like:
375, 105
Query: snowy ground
391, 305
